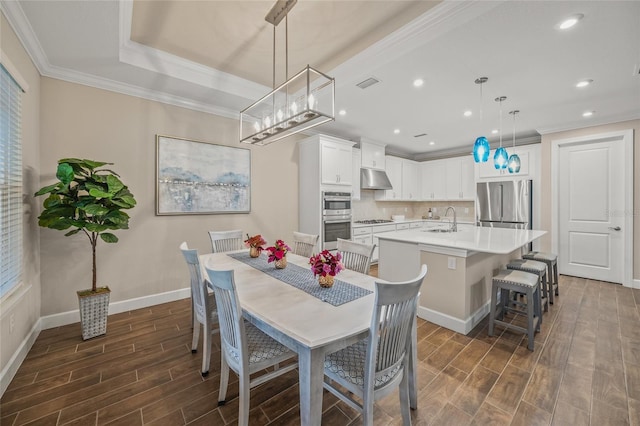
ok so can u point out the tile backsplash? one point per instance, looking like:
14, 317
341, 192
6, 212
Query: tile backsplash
368, 208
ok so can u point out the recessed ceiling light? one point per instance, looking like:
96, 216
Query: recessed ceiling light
418, 82
570, 21
396, 131
432, 143
584, 83
342, 112
494, 131
587, 113
467, 113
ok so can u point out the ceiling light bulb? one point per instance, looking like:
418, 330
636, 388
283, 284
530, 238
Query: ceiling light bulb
587, 113
418, 82
584, 83
570, 22
396, 131
467, 113
342, 112
432, 143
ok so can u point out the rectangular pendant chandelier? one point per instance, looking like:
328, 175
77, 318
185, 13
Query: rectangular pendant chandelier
305, 100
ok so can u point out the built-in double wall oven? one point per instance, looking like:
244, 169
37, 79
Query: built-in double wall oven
336, 218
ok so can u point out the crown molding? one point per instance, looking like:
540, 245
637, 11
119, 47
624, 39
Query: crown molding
592, 123
20, 24
430, 25
137, 91
164, 63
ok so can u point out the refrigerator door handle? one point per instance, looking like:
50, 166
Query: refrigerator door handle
501, 202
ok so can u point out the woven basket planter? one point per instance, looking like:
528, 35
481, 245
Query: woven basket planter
94, 309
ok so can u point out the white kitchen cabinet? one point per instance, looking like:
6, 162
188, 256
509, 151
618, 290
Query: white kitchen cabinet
394, 172
410, 181
336, 163
460, 179
432, 180
487, 170
372, 155
321, 159
355, 169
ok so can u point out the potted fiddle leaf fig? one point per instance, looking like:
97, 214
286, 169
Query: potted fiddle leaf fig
89, 199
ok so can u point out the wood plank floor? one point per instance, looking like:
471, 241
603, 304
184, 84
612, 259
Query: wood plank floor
585, 371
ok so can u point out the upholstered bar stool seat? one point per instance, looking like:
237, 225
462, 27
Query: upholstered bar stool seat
551, 259
538, 268
522, 282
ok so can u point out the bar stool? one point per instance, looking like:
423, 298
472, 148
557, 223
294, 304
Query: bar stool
522, 282
551, 259
538, 268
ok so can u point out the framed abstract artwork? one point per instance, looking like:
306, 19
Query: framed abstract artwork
194, 177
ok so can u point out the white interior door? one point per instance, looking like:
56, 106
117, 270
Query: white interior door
591, 205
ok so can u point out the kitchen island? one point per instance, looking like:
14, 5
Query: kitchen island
457, 289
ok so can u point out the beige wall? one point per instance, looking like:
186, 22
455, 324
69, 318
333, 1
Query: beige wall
24, 304
79, 121
546, 180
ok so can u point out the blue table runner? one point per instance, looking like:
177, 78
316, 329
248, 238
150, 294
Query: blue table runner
303, 279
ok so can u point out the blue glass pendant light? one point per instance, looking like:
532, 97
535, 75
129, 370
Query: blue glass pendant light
481, 150
500, 157
481, 146
513, 164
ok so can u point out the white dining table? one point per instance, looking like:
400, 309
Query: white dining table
305, 324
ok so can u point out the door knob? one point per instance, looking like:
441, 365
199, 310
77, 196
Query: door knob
617, 228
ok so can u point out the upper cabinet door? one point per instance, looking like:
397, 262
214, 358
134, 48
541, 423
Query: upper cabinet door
336, 164
355, 174
410, 181
460, 178
432, 180
394, 172
372, 155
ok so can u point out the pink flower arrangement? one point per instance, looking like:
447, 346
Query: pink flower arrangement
256, 242
277, 251
325, 263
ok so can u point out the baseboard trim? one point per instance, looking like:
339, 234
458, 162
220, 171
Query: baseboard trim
70, 317
10, 370
635, 284
452, 323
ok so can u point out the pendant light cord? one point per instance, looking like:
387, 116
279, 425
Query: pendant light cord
500, 123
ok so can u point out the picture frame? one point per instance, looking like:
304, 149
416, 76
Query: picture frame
196, 177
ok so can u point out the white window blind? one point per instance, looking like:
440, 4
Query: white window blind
10, 183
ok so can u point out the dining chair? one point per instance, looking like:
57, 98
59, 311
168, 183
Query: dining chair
202, 308
224, 241
245, 349
356, 256
372, 368
304, 244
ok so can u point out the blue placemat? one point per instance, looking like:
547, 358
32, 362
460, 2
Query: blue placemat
303, 279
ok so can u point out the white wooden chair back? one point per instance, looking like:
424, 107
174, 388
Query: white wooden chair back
232, 332
396, 307
304, 244
356, 256
199, 294
224, 241
372, 368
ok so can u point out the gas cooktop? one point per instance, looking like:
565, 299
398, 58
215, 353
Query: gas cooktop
372, 221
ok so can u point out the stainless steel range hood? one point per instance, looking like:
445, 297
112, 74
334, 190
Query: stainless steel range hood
374, 179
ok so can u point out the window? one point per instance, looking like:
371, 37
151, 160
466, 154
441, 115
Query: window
10, 183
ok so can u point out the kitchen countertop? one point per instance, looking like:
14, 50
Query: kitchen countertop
435, 221
468, 238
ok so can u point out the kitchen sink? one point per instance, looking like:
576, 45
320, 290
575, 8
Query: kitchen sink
441, 230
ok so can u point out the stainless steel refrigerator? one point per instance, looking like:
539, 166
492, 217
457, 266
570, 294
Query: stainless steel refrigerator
505, 204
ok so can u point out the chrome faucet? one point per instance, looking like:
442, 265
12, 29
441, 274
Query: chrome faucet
454, 226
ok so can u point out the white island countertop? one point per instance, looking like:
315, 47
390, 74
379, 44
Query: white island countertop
467, 240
